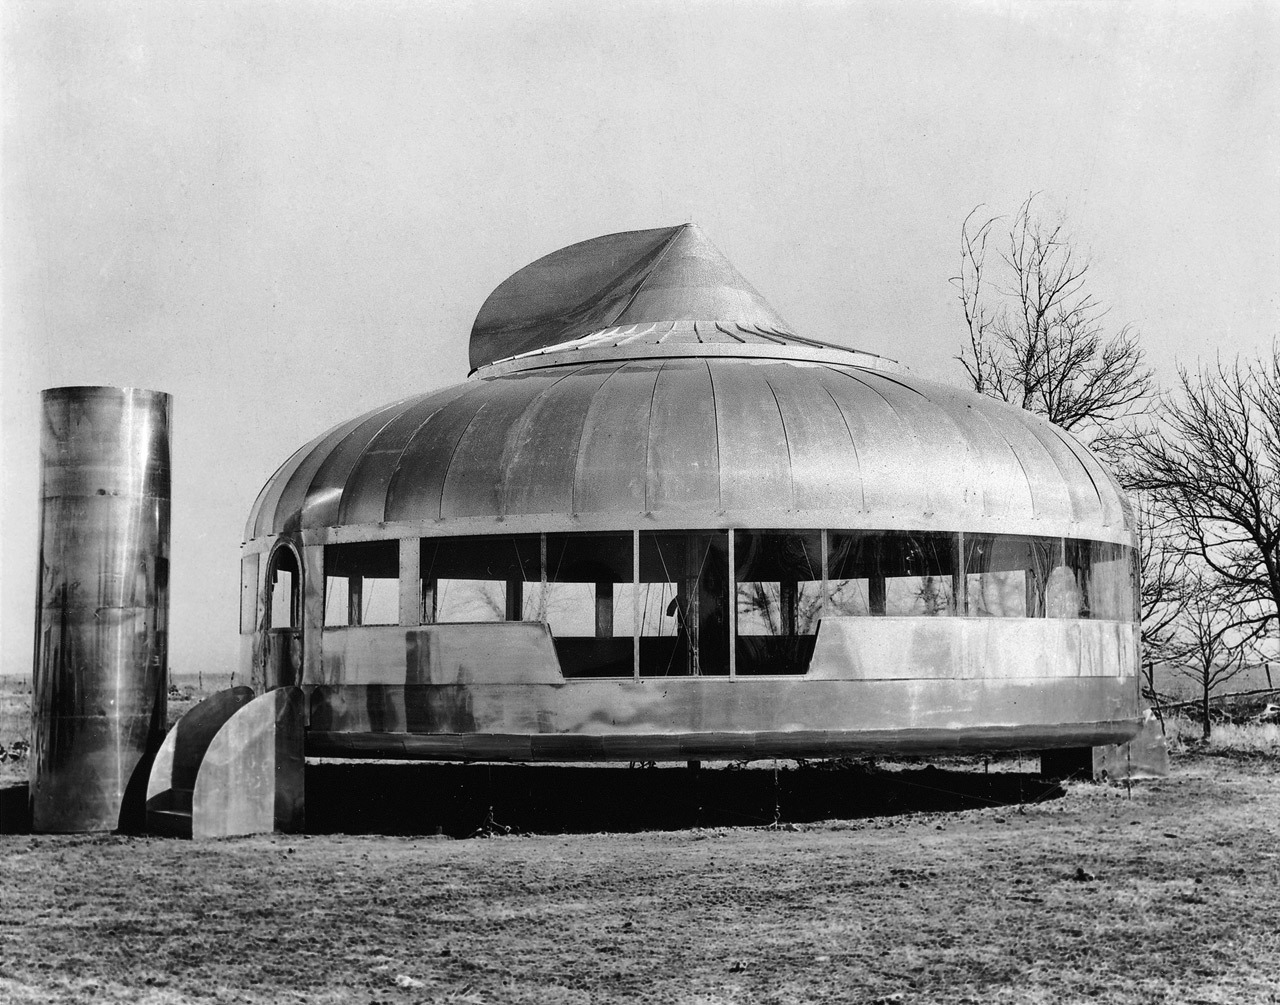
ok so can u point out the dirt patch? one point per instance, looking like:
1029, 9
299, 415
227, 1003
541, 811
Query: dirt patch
1167, 893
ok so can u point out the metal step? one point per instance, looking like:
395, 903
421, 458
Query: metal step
169, 823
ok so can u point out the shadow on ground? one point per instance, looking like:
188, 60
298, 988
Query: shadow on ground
465, 800
462, 800
15, 810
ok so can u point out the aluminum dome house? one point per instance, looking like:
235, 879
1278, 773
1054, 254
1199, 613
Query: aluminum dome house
656, 523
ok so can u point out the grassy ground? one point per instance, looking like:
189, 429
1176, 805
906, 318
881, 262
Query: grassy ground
1167, 892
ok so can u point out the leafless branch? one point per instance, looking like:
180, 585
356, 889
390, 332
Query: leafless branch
1211, 460
1036, 337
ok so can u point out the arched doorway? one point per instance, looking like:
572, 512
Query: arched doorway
281, 641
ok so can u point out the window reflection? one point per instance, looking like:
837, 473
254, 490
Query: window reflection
362, 583
495, 578
588, 603
684, 582
892, 573
1113, 582
1008, 576
676, 612
779, 599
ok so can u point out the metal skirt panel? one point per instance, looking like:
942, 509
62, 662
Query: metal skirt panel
936, 683
846, 648
103, 603
716, 746
649, 718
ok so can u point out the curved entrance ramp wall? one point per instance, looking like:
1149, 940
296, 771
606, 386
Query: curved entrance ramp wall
252, 777
177, 764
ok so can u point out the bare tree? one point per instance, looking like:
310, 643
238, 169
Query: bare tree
1037, 336
1213, 635
1162, 571
1212, 461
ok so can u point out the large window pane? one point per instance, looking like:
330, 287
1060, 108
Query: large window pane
587, 602
684, 584
895, 573
779, 599
1007, 576
1103, 578
1113, 579
362, 583
1068, 593
491, 578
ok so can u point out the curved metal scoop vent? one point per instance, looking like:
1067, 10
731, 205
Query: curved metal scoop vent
642, 276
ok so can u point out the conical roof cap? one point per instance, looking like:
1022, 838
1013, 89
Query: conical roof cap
642, 276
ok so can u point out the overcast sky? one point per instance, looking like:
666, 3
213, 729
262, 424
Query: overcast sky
285, 214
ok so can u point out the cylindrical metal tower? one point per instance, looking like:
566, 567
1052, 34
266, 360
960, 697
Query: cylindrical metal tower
102, 607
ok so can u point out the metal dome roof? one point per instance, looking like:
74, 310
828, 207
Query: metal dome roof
637, 380
697, 441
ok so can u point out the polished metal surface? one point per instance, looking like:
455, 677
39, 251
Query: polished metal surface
252, 777
705, 744
668, 339
1145, 756
172, 780
636, 380
847, 648
774, 716
103, 603
695, 442
619, 280
908, 685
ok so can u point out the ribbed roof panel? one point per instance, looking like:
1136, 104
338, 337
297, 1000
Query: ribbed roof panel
684, 439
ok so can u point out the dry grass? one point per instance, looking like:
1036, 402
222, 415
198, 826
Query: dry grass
15, 717
1254, 739
1167, 894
